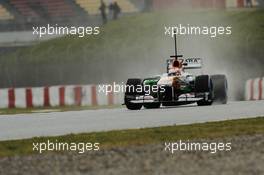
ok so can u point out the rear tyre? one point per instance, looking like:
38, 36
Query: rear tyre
203, 84
131, 93
152, 105
220, 88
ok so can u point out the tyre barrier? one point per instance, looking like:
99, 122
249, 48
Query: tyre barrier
254, 89
73, 95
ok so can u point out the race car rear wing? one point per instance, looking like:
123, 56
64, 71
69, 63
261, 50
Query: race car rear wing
192, 63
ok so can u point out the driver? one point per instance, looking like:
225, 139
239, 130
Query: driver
177, 67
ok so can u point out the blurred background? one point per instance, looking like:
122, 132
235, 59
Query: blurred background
131, 43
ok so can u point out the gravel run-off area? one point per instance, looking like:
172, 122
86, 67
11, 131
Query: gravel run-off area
246, 157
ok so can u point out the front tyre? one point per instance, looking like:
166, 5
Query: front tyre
133, 106
131, 94
204, 103
151, 105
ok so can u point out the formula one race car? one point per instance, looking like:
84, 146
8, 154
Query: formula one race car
176, 87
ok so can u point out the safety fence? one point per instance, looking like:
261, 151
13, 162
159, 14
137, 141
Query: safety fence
72, 95
157, 4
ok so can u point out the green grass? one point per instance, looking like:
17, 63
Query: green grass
136, 35
124, 138
136, 41
10, 111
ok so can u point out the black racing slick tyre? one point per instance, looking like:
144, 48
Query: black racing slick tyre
131, 93
133, 106
203, 84
151, 105
220, 88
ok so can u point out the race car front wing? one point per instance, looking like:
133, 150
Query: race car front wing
189, 97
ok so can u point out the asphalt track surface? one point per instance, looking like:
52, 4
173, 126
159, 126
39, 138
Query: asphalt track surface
22, 126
